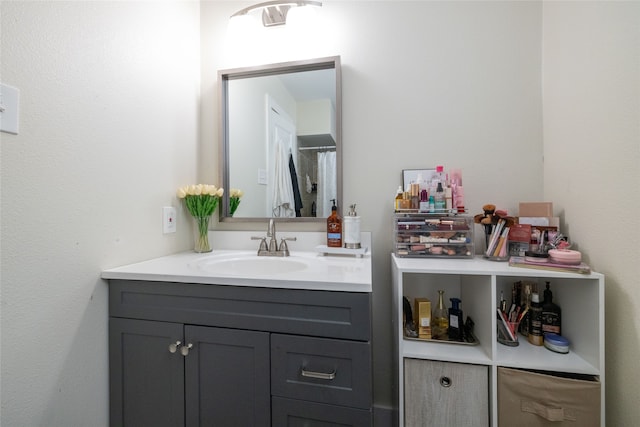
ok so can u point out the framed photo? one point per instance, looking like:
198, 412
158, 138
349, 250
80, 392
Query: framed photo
412, 175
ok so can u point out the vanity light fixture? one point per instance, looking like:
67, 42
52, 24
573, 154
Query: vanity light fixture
275, 12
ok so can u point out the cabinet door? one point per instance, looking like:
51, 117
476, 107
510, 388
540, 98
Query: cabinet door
227, 379
445, 394
146, 379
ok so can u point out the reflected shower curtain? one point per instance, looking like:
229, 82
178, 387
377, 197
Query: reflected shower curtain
327, 187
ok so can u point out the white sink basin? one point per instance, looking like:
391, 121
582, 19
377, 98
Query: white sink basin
250, 265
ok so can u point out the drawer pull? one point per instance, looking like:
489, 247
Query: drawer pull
319, 375
445, 381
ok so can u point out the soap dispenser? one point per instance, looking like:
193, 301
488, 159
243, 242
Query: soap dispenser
334, 228
352, 229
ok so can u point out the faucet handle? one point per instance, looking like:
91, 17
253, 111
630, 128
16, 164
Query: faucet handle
263, 243
284, 248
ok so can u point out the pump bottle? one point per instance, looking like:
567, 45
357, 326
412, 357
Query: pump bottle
551, 314
334, 228
352, 229
535, 321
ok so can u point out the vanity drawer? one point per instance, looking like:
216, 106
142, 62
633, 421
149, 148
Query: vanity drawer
321, 370
299, 413
290, 311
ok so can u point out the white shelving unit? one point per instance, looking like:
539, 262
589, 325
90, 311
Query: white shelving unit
478, 283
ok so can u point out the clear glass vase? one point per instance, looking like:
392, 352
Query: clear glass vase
202, 234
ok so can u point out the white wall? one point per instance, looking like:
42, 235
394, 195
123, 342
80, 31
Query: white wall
109, 95
110, 127
425, 83
591, 65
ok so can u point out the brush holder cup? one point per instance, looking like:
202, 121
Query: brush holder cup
508, 338
496, 246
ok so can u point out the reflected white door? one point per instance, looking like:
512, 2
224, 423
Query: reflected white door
280, 127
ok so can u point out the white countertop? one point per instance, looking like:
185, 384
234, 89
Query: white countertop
322, 272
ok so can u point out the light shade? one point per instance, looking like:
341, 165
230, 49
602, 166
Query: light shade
275, 12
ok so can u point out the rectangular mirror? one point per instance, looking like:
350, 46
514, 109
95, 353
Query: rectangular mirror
281, 140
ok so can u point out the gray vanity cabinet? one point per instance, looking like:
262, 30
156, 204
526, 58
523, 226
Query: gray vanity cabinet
157, 386
227, 377
186, 354
147, 381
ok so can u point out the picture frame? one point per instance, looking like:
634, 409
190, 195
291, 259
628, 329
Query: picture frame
411, 175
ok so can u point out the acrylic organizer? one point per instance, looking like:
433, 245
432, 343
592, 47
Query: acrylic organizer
433, 235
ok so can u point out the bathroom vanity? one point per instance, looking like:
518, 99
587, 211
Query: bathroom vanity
194, 342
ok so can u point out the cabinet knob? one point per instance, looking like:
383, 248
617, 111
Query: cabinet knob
445, 381
184, 350
174, 347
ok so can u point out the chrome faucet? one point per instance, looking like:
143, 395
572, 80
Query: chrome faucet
273, 249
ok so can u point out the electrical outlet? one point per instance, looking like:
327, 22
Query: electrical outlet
168, 220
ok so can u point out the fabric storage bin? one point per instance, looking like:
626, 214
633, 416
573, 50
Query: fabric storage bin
534, 399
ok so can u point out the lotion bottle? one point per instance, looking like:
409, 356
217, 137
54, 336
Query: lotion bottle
535, 321
448, 199
352, 229
551, 314
334, 228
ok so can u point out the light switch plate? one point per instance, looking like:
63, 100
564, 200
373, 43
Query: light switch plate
168, 220
9, 97
262, 176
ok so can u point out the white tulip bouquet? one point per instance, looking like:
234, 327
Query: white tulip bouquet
201, 201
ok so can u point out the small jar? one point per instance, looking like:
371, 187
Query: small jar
556, 343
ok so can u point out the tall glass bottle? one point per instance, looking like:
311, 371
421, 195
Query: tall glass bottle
334, 228
440, 319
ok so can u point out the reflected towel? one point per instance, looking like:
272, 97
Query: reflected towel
282, 189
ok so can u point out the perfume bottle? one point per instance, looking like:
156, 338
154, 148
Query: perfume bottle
440, 319
456, 322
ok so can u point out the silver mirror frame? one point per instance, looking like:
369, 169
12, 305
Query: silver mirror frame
223, 144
